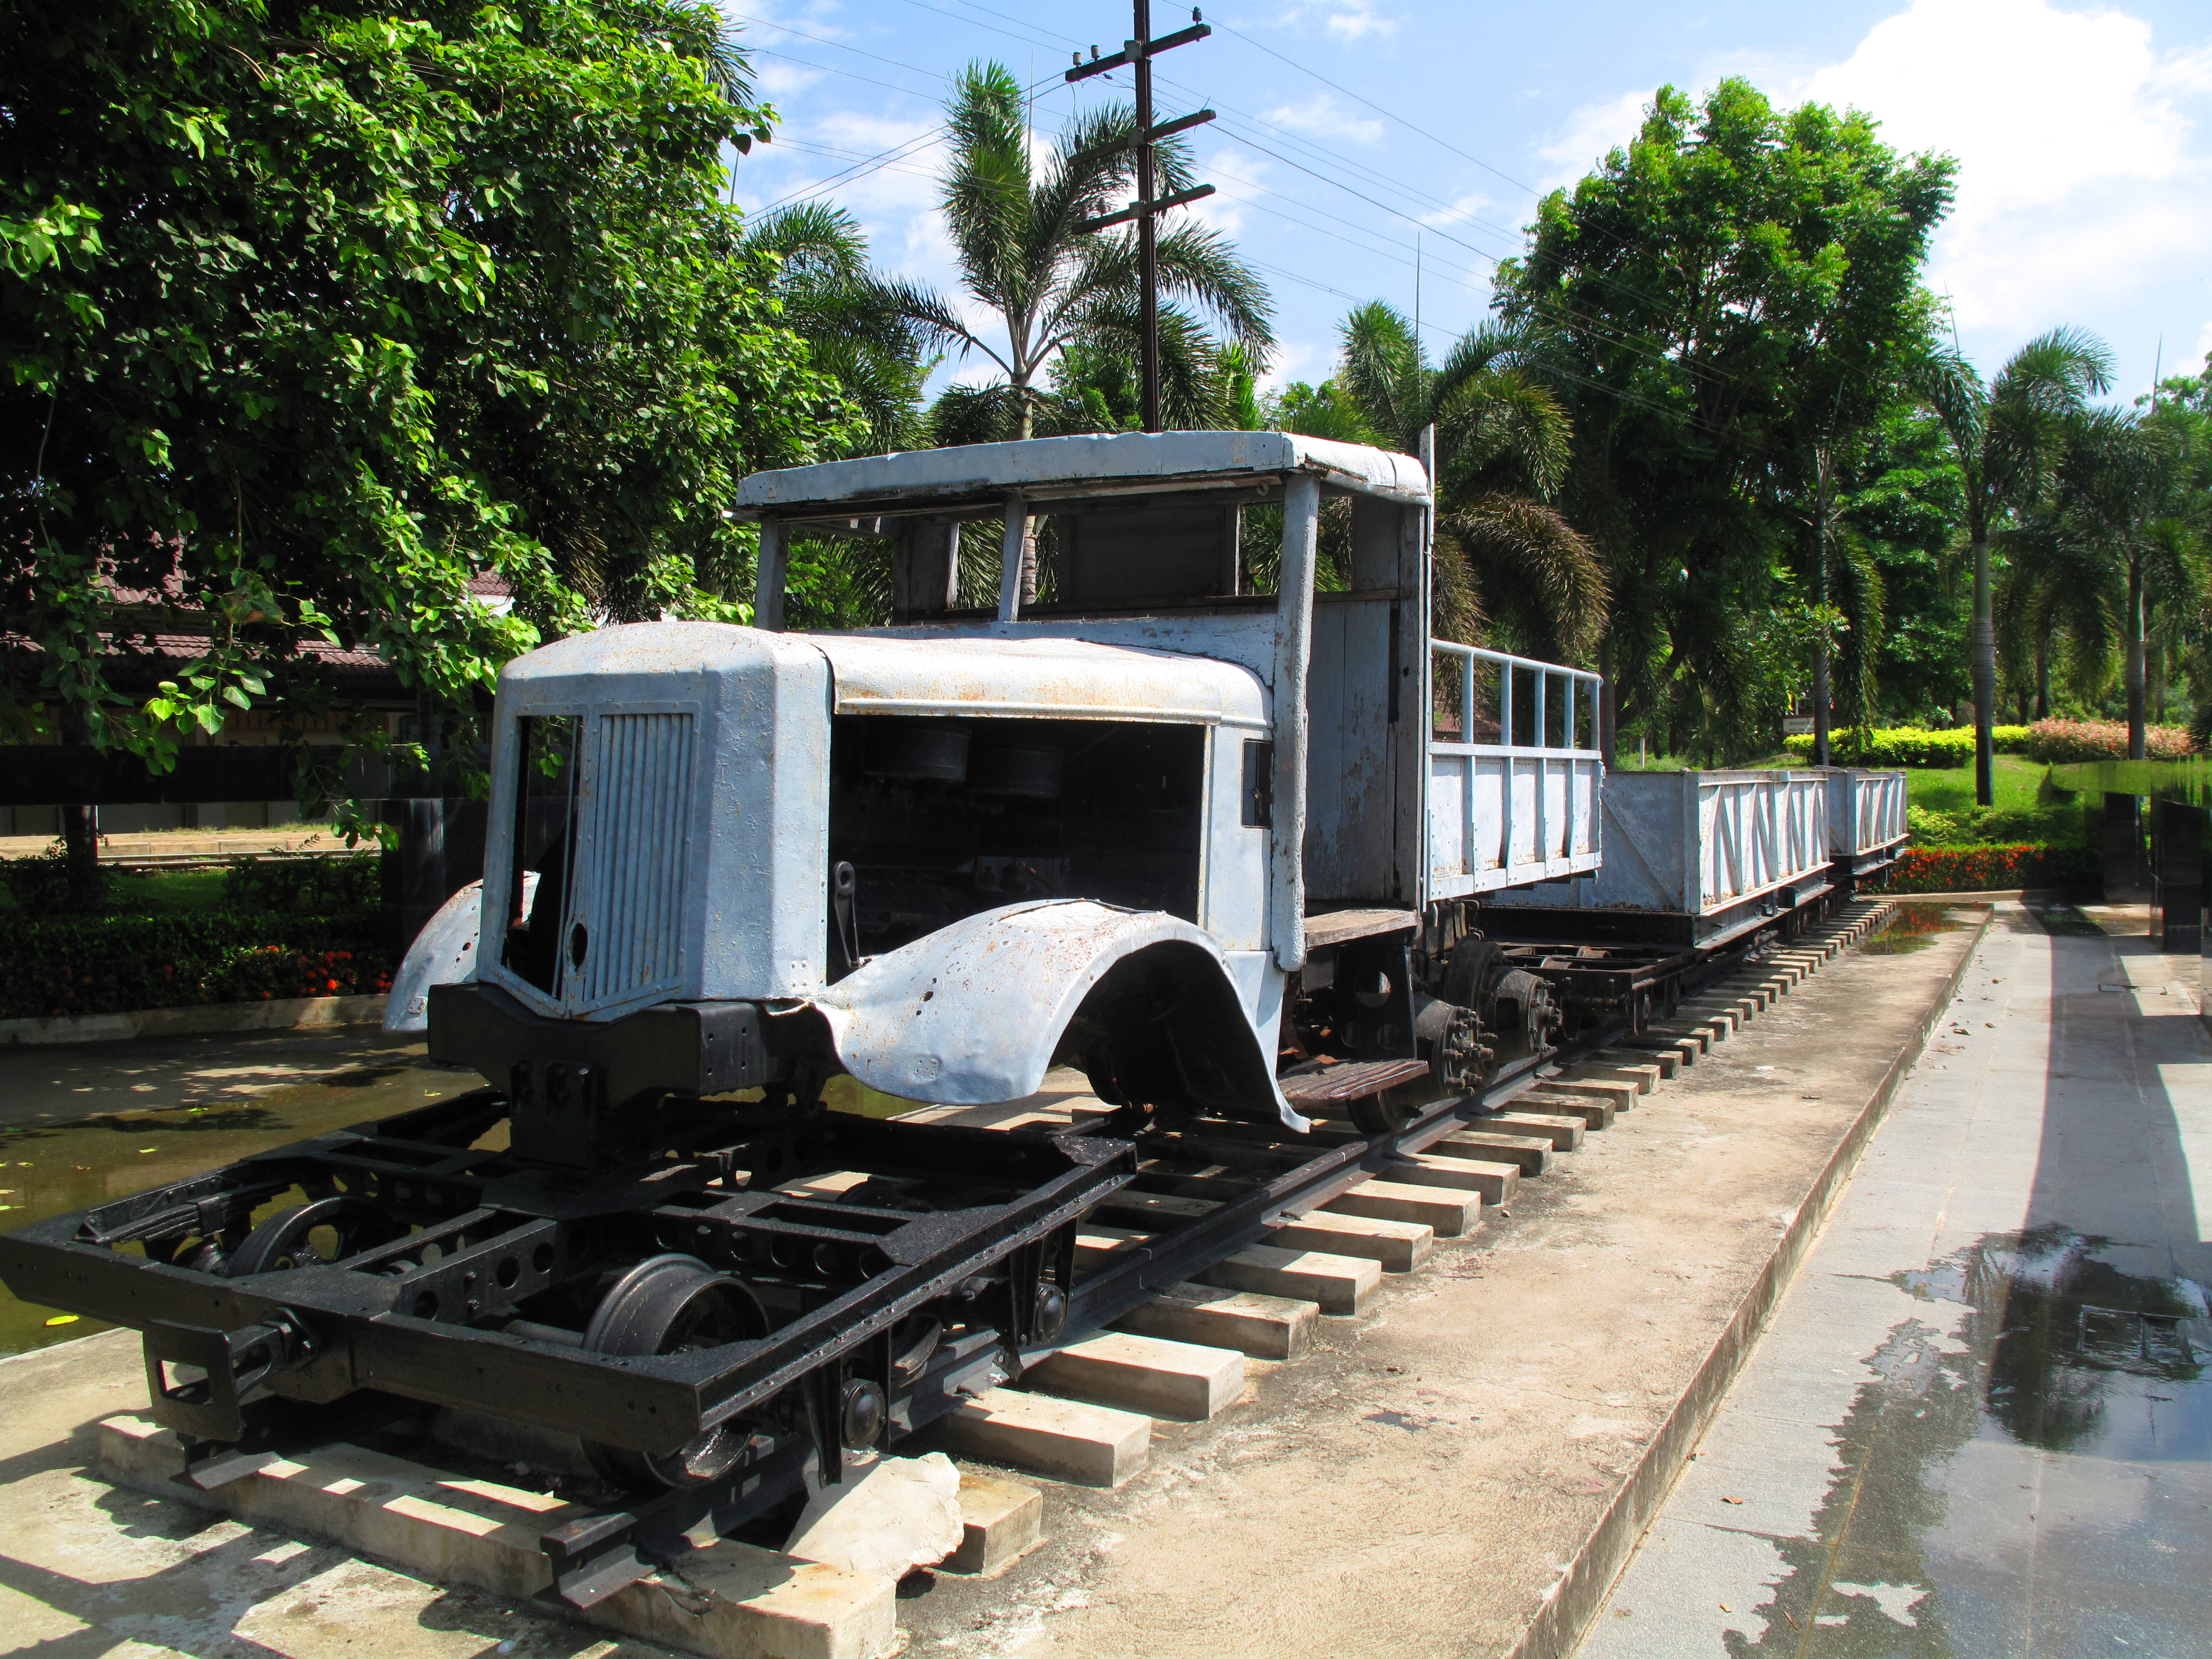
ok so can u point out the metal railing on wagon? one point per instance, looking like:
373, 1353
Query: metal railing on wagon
1522, 808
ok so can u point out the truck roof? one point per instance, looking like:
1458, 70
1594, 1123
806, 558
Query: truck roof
1036, 678
984, 475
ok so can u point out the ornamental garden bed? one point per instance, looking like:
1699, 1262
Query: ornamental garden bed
257, 932
1985, 869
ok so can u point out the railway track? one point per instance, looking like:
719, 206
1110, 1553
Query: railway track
1225, 1249
1230, 1241
1236, 1240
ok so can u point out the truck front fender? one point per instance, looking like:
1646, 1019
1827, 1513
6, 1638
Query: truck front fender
975, 1013
443, 953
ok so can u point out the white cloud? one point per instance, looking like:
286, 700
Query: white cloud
1358, 20
1326, 116
2083, 167
1298, 360
2203, 352
1236, 177
895, 204
1348, 20
779, 77
1467, 209
1590, 134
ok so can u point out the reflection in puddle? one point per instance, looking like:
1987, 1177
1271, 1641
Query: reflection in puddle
49, 1169
2080, 1357
1923, 1542
1913, 927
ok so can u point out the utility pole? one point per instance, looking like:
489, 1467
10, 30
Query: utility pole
1138, 51
1820, 691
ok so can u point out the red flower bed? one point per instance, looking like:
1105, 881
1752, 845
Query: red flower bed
1984, 869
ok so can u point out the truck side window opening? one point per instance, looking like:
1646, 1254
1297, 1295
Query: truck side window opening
544, 834
1259, 792
943, 817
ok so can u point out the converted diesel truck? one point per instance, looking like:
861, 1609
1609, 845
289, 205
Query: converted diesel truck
1192, 809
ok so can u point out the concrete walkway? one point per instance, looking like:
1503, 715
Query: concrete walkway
1981, 1423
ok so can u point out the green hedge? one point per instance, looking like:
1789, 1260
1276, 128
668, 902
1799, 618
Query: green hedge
1910, 746
2047, 741
1986, 869
114, 965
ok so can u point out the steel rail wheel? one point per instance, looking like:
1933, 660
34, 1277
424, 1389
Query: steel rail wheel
288, 1239
674, 1304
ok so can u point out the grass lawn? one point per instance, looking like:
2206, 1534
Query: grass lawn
2018, 782
158, 892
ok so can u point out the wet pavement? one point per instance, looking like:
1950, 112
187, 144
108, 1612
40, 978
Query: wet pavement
82, 1124
1981, 1423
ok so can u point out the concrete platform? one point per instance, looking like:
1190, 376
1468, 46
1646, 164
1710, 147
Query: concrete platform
1462, 1472
1972, 1427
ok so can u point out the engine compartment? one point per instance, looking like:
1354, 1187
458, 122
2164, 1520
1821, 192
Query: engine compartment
941, 819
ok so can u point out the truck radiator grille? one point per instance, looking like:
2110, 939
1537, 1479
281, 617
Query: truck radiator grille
622, 932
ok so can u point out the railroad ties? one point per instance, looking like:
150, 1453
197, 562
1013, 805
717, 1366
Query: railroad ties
1083, 1413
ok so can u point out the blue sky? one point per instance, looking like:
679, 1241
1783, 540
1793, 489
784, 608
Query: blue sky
1351, 128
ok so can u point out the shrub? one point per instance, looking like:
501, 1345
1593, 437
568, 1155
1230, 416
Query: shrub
43, 885
1910, 746
316, 884
2057, 740
114, 965
1982, 869
2059, 822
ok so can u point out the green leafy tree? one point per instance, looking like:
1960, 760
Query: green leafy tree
1899, 503
2008, 437
312, 314
1725, 301
1052, 287
1502, 446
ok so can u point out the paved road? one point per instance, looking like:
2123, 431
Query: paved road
1981, 1423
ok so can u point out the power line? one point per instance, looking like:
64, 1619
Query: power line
831, 69
1599, 328
958, 18
823, 40
1656, 352
881, 159
1391, 114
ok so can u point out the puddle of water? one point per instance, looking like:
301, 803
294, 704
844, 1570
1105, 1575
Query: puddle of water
2077, 1356
48, 1169
2045, 1350
1912, 928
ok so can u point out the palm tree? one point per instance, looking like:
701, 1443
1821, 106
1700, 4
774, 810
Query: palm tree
1503, 445
2054, 608
2007, 437
849, 317
2121, 495
1050, 286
